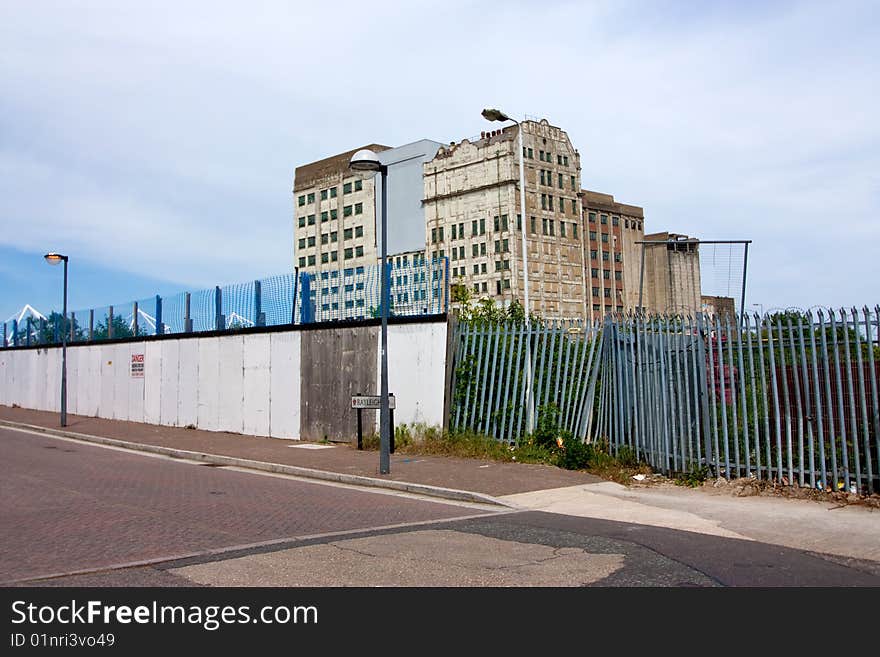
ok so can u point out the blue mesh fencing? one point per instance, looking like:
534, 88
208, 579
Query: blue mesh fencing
416, 287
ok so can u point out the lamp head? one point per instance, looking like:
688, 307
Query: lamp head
495, 115
365, 160
55, 258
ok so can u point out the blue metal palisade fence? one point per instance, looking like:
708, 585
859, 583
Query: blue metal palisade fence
788, 397
416, 287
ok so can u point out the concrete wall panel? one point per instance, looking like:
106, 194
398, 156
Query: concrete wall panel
416, 372
153, 382
284, 393
231, 355
188, 383
169, 375
256, 388
209, 384
121, 354
106, 382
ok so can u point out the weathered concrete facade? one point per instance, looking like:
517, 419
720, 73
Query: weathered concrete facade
473, 216
672, 274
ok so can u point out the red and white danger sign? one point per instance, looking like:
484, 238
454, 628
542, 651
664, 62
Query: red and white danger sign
137, 365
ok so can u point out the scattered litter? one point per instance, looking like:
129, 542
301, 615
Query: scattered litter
639, 477
313, 446
484, 466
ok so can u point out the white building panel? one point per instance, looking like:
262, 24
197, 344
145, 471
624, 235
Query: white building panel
231, 354
284, 391
416, 371
209, 384
152, 382
168, 397
188, 383
121, 377
256, 358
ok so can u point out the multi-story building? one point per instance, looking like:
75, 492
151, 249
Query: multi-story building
672, 274
611, 253
473, 217
336, 232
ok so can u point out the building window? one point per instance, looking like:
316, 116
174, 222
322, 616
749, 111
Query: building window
311, 261
346, 188
561, 229
346, 211
503, 222
543, 201
565, 160
592, 217
560, 181
302, 262
433, 236
476, 269
475, 250
616, 257
358, 231
552, 228
334, 256
485, 287
544, 226
531, 154
358, 208
358, 185
606, 292
497, 246
325, 258
618, 276
573, 186
596, 307
562, 205
606, 274
482, 227
519, 222
595, 291
542, 177
476, 288
324, 216
312, 241
505, 284
482, 248
334, 236
605, 237
483, 269
324, 193
311, 198
359, 251
592, 235
347, 233
333, 213
533, 225
302, 242
605, 255
603, 218
541, 155
302, 222
311, 220
332, 192
615, 221
497, 287
549, 202
302, 199
474, 228
594, 254
594, 272
349, 253
454, 232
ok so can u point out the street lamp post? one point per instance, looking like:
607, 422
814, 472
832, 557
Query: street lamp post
54, 259
367, 160
498, 115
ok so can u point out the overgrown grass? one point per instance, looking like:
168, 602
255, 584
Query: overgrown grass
545, 447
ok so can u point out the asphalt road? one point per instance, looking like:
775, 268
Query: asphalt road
76, 514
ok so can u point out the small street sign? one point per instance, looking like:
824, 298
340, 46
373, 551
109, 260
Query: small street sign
370, 401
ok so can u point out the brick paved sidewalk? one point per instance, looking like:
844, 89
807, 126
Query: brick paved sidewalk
473, 475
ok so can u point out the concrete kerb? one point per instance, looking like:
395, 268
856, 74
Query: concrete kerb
278, 468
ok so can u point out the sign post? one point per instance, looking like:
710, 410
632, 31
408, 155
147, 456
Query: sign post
360, 403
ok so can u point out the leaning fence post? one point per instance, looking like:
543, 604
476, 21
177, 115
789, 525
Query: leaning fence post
187, 319
219, 323
14, 332
110, 323
134, 318
27, 332
91, 324
5, 342
159, 329
72, 326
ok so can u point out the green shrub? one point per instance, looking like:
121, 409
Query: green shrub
574, 454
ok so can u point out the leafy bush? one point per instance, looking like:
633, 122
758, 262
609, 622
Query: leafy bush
574, 454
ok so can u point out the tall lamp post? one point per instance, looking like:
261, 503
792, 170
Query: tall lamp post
497, 115
54, 259
367, 160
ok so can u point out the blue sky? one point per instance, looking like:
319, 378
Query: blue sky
156, 142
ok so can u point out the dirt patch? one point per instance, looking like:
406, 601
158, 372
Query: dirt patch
751, 487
